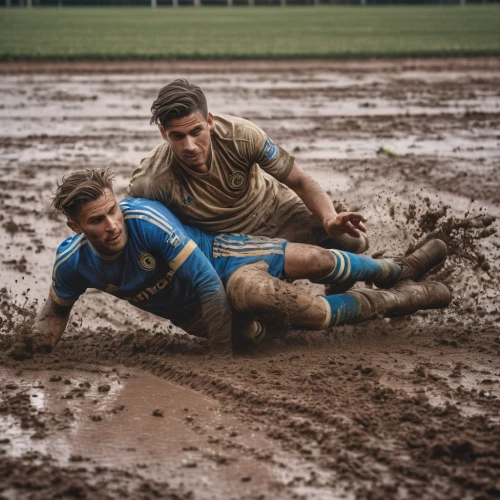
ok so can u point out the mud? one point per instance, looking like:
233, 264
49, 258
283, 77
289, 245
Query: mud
403, 408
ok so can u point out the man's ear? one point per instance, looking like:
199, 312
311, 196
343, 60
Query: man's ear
74, 226
210, 121
163, 132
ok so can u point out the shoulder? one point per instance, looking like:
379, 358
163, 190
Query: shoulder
148, 214
70, 246
161, 151
233, 127
159, 162
68, 253
129, 205
155, 175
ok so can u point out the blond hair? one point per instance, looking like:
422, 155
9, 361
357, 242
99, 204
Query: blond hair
79, 188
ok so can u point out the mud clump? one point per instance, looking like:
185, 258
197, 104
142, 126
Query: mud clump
38, 477
461, 235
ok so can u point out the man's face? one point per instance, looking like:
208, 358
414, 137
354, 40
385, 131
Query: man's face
102, 223
190, 139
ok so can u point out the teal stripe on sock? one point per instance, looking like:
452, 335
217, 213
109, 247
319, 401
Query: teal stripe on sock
350, 268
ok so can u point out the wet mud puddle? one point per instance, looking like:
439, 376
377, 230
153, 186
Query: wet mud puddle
135, 421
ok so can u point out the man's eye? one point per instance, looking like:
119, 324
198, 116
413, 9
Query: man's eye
195, 132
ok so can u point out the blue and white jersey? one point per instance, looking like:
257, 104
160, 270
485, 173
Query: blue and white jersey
163, 267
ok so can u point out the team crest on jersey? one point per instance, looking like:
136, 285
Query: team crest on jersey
112, 288
236, 180
147, 261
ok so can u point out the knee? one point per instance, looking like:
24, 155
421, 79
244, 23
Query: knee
318, 262
249, 289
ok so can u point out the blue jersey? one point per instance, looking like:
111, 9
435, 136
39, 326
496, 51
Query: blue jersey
163, 269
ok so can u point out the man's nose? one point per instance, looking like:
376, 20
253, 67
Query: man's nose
110, 224
189, 143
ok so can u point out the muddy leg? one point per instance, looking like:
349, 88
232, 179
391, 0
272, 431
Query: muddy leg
252, 290
334, 266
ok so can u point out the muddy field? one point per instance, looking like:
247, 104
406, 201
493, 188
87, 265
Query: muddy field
128, 406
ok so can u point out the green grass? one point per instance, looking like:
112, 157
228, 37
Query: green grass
217, 32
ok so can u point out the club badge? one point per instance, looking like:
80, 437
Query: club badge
236, 180
147, 261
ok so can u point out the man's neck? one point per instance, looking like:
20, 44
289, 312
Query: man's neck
202, 169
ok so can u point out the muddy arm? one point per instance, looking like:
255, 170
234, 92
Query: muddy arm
216, 310
50, 324
319, 204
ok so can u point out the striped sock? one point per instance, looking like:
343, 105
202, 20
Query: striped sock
350, 268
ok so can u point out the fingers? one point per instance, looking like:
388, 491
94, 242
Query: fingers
351, 230
353, 217
346, 222
353, 223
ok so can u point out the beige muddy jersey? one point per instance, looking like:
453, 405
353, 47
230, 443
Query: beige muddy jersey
240, 193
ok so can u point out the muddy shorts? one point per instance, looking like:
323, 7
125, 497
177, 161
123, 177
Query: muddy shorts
232, 251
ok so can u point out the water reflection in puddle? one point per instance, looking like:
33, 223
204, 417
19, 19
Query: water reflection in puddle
107, 419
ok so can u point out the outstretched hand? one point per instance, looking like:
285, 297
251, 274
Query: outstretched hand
346, 222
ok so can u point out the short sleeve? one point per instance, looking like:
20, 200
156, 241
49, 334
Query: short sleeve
271, 157
67, 284
150, 180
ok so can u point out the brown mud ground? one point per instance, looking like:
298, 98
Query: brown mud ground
405, 408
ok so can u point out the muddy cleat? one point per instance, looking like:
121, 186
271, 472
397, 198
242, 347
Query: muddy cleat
416, 265
405, 298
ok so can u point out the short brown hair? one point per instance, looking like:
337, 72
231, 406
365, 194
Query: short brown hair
178, 100
79, 188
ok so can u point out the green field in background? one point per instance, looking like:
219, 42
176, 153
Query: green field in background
242, 32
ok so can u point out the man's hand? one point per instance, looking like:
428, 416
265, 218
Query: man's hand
345, 222
319, 204
49, 325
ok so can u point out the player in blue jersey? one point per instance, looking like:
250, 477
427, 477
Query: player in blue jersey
138, 250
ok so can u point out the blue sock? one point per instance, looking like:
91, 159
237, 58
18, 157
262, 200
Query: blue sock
344, 309
350, 268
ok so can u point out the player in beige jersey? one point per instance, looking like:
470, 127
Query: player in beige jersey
223, 174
